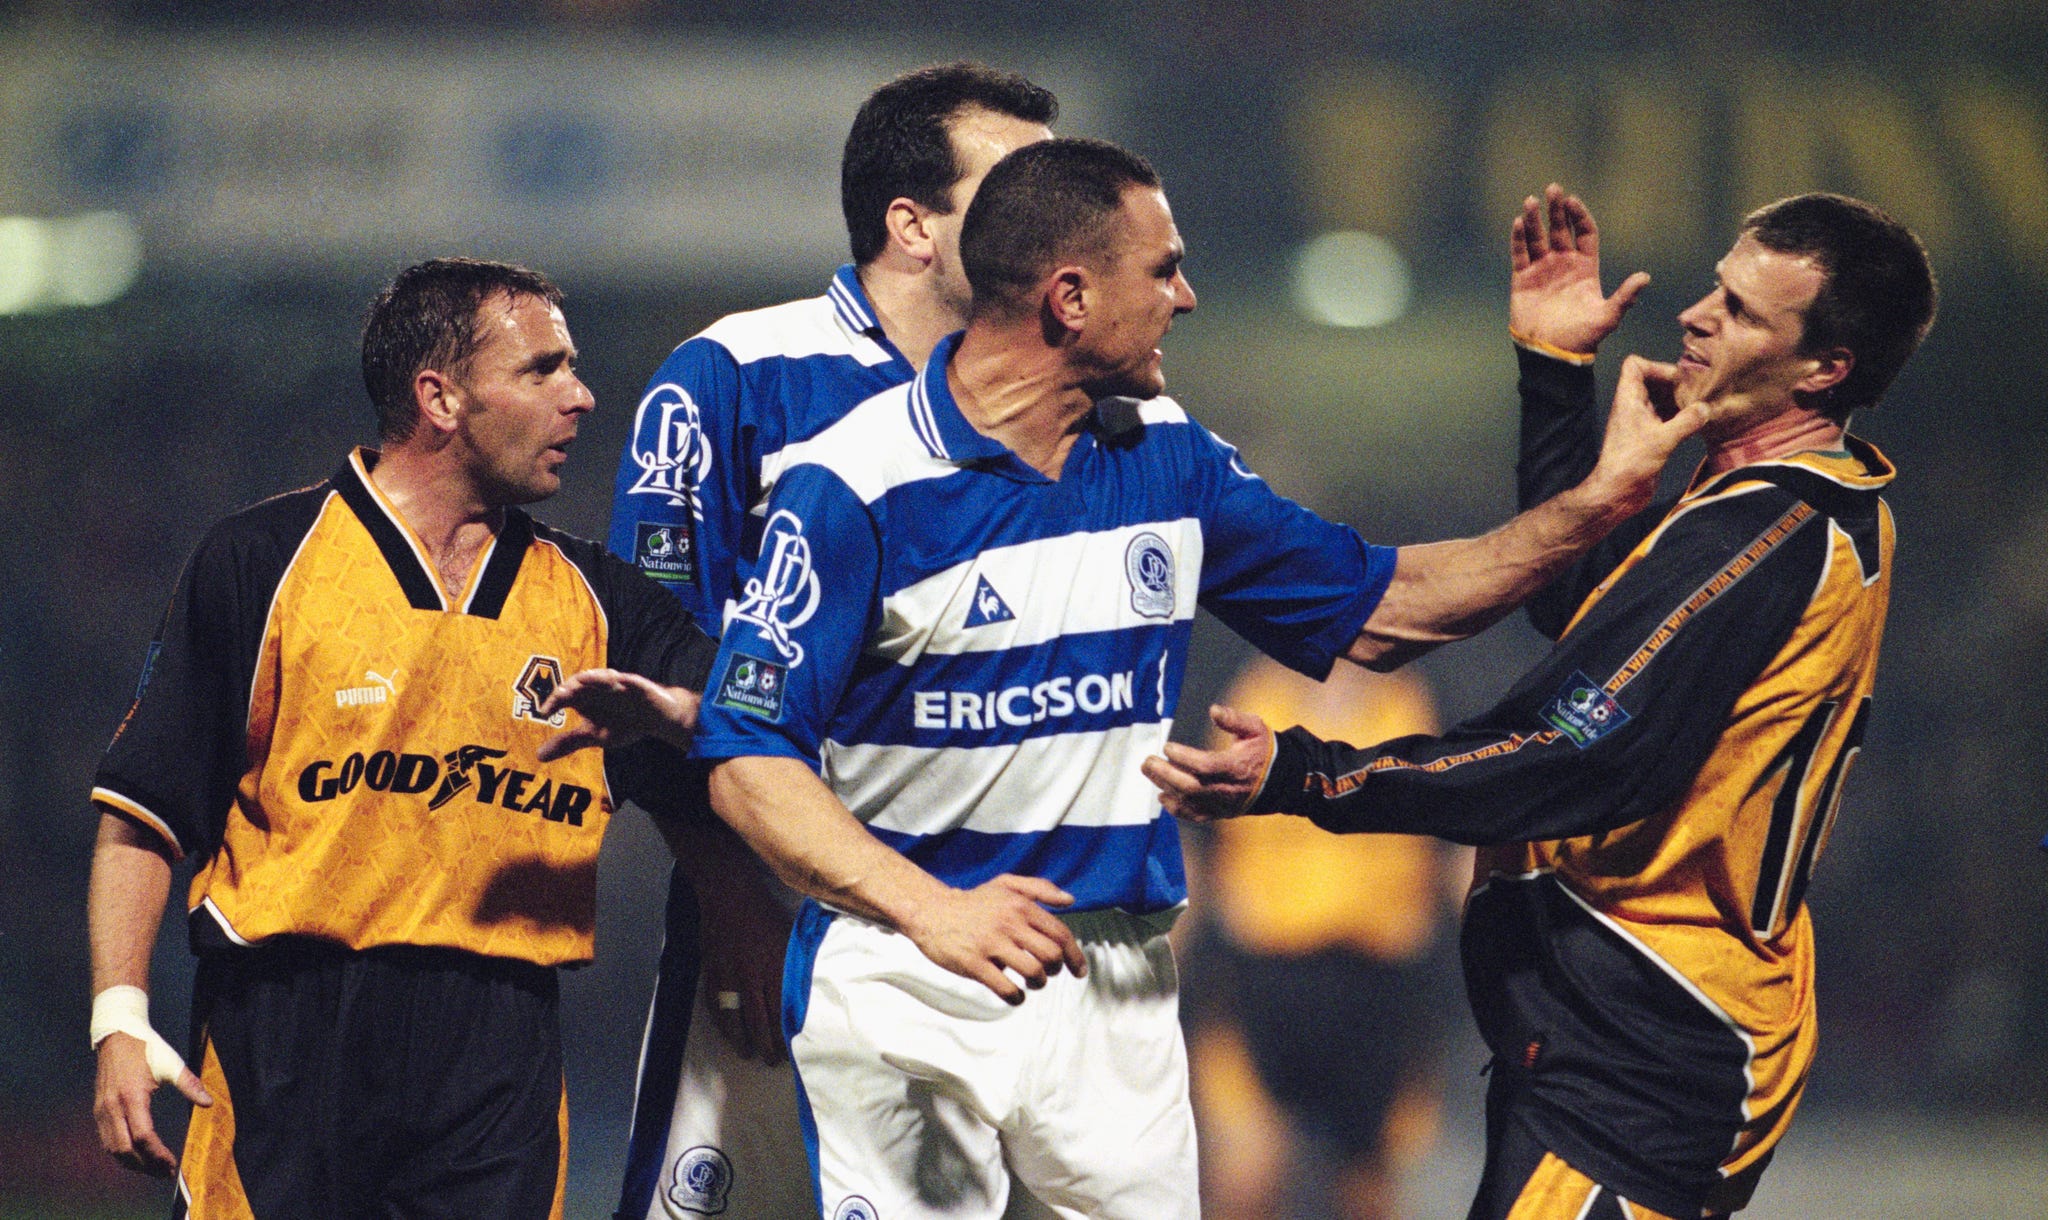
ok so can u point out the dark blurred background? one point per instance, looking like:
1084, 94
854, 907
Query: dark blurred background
197, 199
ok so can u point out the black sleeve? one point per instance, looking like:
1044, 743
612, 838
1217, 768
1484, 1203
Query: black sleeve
650, 633
180, 752
1614, 725
1561, 432
661, 780
648, 630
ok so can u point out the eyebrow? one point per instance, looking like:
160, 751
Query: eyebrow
548, 362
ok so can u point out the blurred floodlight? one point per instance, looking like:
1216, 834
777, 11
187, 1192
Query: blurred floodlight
81, 260
95, 258
1351, 279
24, 262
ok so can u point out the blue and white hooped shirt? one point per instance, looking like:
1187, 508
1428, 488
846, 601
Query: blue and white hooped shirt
976, 657
714, 422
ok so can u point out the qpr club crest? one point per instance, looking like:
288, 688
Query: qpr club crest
783, 594
853, 1207
1148, 565
673, 459
700, 1183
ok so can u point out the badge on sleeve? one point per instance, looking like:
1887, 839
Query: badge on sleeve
665, 551
753, 686
1584, 712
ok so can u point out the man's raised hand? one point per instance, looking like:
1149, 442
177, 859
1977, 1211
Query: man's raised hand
1205, 785
1554, 296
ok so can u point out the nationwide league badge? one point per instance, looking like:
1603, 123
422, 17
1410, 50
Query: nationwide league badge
1584, 712
665, 551
753, 686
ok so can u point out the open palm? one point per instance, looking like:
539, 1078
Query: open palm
1554, 296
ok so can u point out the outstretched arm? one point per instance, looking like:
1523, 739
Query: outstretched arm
131, 879
619, 708
1611, 727
1443, 591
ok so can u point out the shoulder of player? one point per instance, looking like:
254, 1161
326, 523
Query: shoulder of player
603, 570
273, 526
792, 330
872, 449
1736, 526
1843, 487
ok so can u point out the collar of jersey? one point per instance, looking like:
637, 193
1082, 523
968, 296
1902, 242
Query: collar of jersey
489, 584
1858, 466
850, 305
936, 417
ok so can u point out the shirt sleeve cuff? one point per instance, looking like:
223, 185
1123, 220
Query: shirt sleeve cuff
1539, 347
1286, 776
135, 811
716, 748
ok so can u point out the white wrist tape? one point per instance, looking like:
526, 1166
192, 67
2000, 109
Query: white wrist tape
125, 1010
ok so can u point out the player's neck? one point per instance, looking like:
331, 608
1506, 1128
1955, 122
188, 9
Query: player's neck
912, 314
1015, 389
1796, 431
441, 505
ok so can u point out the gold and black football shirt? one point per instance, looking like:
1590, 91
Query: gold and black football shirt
1650, 802
350, 749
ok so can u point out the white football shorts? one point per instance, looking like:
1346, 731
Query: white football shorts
923, 1091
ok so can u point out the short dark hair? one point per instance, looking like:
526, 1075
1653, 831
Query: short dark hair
1043, 205
426, 318
1880, 295
901, 144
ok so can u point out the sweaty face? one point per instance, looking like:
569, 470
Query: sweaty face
520, 401
1741, 353
980, 139
1137, 293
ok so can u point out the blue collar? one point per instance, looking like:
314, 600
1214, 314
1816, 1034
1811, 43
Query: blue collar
850, 302
936, 418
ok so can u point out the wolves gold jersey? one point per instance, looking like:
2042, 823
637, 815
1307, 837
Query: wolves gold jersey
1652, 800
350, 749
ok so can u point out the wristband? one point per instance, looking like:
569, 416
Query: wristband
1546, 349
125, 1010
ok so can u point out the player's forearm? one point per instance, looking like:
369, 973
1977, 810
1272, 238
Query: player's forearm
131, 881
1444, 591
794, 822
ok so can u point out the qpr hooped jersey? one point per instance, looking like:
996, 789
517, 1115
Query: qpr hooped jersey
350, 749
711, 431
976, 657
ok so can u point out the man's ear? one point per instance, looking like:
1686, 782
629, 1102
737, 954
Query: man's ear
438, 398
1068, 296
1830, 369
907, 224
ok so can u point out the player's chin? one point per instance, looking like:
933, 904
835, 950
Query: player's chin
537, 485
1146, 382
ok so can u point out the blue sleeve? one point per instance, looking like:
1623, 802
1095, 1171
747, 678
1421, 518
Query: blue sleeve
686, 480
1297, 587
802, 619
